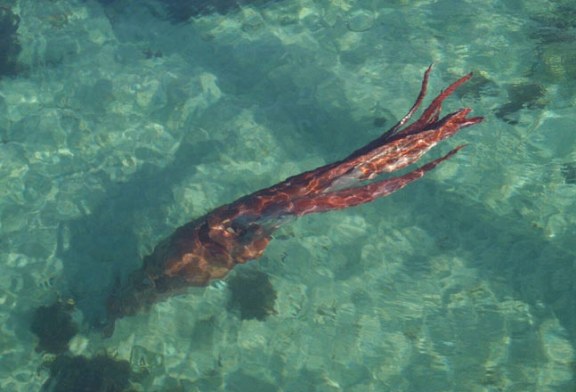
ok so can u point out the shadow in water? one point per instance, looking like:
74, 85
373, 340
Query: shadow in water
511, 253
102, 247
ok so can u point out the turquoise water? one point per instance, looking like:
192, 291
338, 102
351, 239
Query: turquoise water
121, 126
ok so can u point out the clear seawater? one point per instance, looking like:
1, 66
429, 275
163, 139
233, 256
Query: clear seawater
122, 126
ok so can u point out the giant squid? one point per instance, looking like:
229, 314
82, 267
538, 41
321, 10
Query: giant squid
208, 247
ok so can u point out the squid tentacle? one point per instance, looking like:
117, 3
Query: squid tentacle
395, 149
354, 196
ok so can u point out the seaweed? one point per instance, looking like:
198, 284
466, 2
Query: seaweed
9, 44
54, 327
180, 11
526, 95
568, 171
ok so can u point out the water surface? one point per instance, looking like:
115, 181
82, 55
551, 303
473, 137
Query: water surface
123, 122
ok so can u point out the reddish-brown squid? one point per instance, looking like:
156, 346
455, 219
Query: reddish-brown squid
210, 246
